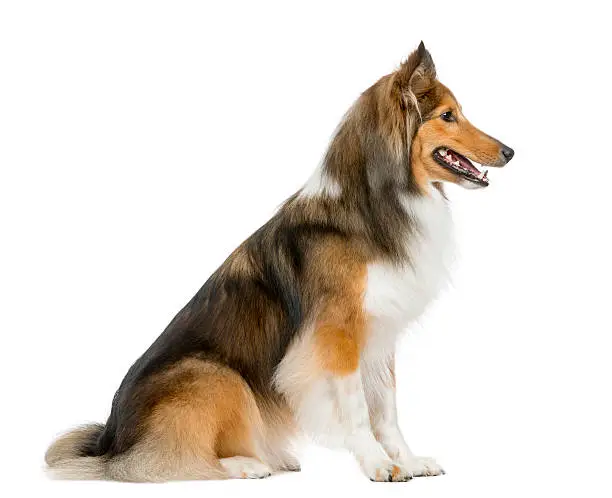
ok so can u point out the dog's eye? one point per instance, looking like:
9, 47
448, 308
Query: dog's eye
448, 116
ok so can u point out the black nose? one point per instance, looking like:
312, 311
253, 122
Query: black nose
507, 152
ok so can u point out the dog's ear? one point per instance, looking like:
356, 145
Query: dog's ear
416, 76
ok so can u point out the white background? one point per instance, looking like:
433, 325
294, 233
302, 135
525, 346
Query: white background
140, 142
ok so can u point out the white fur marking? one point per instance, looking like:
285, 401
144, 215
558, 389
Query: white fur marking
378, 383
320, 183
398, 294
355, 420
422, 466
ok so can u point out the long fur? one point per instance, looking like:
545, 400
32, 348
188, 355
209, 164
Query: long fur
292, 312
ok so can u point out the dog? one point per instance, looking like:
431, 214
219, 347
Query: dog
296, 331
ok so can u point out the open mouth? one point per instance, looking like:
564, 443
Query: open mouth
460, 165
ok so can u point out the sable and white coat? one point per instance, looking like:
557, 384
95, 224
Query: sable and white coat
296, 331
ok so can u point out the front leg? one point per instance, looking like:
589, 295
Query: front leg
325, 392
358, 436
379, 384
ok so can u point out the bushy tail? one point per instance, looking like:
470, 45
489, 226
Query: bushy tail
66, 457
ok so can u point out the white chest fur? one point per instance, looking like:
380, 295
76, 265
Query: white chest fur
398, 294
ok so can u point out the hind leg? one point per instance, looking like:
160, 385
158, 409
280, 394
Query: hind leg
271, 446
206, 425
239, 446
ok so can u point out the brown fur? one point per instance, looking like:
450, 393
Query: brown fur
341, 324
211, 410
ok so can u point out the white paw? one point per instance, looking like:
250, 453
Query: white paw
245, 468
422, 466
384, 470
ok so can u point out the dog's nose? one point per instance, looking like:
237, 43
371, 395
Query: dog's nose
507, 152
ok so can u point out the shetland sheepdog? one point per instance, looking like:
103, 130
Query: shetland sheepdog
296, 331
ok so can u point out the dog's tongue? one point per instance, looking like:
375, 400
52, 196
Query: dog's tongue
464, 162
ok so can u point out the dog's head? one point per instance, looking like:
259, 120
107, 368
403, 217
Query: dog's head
442, 143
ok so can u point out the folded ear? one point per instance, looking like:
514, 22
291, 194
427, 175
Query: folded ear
417, 74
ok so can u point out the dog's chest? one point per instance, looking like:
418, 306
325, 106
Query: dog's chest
397, 294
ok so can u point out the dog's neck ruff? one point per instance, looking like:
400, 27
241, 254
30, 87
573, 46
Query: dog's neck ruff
398, 293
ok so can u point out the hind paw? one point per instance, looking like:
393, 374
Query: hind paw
245, 468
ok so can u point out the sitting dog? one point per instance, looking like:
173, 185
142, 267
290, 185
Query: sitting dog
296, 331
